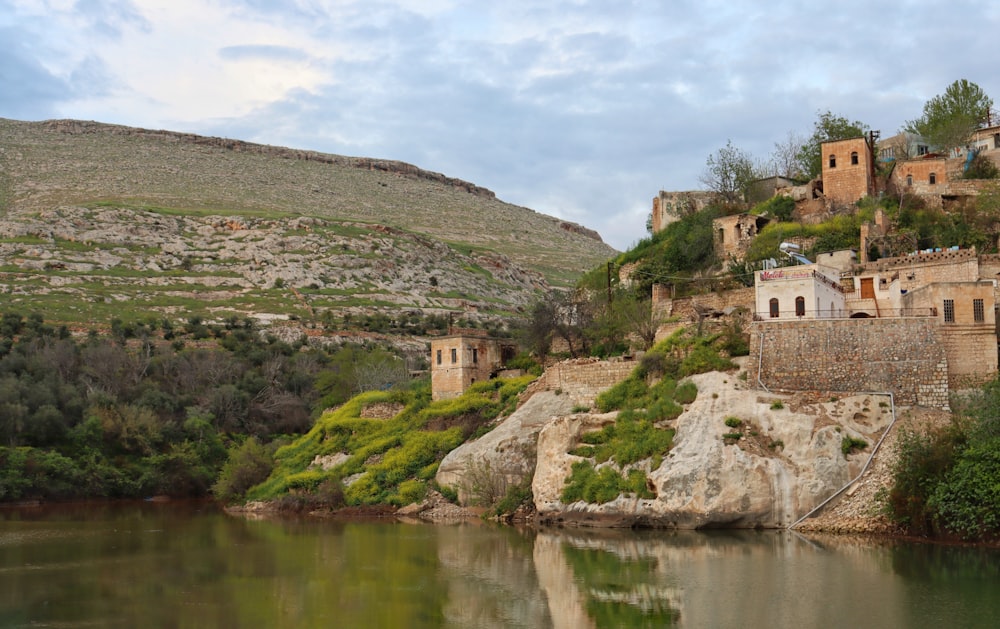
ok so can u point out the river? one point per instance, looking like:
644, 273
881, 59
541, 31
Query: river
189, 565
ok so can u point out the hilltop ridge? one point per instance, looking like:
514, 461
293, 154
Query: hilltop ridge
153, 220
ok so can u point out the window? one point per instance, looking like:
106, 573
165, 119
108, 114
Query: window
439, 357
722, 235
833, 161
454, 355
923, 149
774, 307
854, 158
932, 179
475, 355
949, 311
909, 180
977, 310
800, 306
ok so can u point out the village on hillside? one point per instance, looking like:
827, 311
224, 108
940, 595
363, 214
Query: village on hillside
917, 324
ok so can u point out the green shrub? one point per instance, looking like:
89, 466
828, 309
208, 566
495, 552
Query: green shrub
850, 445
686, 393
601, 486
248, 464
732, 436
734, 422
777, 405
922, 461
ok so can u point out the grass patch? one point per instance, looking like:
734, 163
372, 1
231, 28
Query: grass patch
397, 457
603, 485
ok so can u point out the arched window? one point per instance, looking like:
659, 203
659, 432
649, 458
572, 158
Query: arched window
833, 161
909, 180
932, 179
854, 158
800, 306
774, 307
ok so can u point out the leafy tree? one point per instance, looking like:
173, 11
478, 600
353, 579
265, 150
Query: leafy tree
950, 119
729, 173
827, 128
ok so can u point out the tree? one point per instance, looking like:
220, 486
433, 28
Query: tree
827, 128
729, 173
950, 119
784, 159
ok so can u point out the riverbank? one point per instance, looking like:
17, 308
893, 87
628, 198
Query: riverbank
859, 510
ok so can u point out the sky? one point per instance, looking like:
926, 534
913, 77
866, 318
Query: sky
580, 109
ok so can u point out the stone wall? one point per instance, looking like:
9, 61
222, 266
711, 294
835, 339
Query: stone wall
904, 356
684, 307
583, 378
920, 269
669, 207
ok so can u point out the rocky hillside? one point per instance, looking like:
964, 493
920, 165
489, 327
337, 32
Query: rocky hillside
99, 220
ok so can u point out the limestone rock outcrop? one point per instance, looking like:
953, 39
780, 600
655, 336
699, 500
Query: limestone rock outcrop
787, 460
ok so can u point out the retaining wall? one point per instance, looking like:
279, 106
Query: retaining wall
905, 356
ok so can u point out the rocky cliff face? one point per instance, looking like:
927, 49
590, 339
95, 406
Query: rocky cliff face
786, 462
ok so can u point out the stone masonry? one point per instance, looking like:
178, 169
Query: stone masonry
905, 356
581, 378
847, 170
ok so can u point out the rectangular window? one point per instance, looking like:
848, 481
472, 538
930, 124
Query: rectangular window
475, 355
439, 357
773, 306
949, 311
454, 355
977, 310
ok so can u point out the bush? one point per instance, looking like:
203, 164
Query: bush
850, 445
601, 486
923, 459
248, 464
734, 422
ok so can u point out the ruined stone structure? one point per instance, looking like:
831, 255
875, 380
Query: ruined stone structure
582, 378
459, 360
905, 356
687, 308
669, 207
734, 234
848, 170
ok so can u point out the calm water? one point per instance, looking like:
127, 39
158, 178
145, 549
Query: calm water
181, 565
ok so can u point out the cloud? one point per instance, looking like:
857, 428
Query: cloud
579, 108
262, 52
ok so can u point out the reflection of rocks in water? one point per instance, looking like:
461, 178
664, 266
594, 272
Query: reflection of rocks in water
491, 577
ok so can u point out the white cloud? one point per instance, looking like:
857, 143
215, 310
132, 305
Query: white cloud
582, 109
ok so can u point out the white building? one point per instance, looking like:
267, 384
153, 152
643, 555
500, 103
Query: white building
807, 291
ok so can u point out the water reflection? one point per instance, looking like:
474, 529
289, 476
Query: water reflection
181, 565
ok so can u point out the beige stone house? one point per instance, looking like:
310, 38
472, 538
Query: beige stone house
918, 325
848, 170
459, 360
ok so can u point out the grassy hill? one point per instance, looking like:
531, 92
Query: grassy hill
99, 220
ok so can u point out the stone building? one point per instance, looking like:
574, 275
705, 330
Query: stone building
848, 170
459, 360
932, 325
807, 291
734, 234
669, 207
